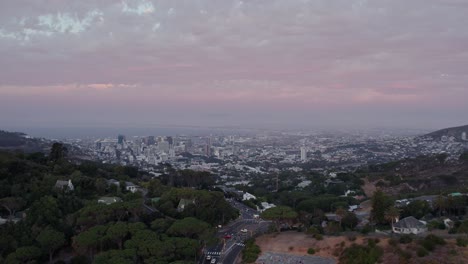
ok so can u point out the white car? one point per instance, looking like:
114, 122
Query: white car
244, 230
208, 257
213, 261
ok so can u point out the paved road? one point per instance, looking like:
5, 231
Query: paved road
229, 249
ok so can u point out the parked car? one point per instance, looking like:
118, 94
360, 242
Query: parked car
208, 257
227, 236
213, 261
244, 230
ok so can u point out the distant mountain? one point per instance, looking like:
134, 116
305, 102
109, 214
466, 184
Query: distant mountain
459, 133
22, 142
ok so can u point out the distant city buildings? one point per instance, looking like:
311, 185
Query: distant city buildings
303, 154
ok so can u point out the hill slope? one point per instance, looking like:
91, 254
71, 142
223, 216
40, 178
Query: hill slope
455, 132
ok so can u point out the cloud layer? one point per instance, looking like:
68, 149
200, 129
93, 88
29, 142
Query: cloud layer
354, 62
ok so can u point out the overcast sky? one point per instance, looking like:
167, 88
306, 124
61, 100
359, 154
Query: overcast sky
290, 63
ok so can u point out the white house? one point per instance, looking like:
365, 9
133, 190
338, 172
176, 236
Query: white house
129, 186
409, 225
248, 196
64, 185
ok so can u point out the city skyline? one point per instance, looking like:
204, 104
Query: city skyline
292, 64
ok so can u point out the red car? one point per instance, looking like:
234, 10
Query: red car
228, 236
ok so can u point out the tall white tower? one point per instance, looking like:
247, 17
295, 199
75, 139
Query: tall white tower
303, 154
463, 136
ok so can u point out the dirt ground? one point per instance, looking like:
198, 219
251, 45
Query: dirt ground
298, 243
369, 188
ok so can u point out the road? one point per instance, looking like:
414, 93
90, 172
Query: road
229, 249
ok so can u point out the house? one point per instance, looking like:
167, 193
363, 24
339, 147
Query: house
448, 223
409, 225
109, 200
248, 196
131, 187
183, 204
64, 185
113, 182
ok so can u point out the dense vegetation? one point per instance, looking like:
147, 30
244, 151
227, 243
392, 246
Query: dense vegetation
50, 223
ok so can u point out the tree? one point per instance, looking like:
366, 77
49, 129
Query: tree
417, 209
350, 220
190, 227
340, 212
24, 255
392, 214
380, 203
11, 204
117, 232
279, 214
440, 204
51, 240
58, 152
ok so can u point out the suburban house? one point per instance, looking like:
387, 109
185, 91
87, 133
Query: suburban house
183, 204
409, 225
64, 185
109, 200
131, 187
113, 182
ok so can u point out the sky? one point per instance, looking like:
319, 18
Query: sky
272, 63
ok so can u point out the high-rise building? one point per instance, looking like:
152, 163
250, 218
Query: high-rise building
303, 154
121, 139
151, 140
464, 136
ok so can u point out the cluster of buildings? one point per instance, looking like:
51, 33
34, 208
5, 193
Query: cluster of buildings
234, 158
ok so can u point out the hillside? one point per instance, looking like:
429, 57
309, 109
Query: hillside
456, 132
22, 142
425, 174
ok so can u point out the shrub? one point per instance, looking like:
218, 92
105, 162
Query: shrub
357, 254
431, 241
352, 238
367, 229
437, 240
318, 236
311, 251
406, 239
393, 242
405, 254
291, 248
462, 242
422, 252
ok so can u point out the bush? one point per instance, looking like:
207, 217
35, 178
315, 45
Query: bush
393, 242
250, 252
406, 239
318, 236
367, 229
352, 238
462, 242
422, 252
80, 260
311, 251
431, 241
405, 254
357, 254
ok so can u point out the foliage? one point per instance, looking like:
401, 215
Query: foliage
310, 251
380, 203
250, 252
406, 239
431, 241
279, 215
462, 242
422, 252
51, 240
357, 254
